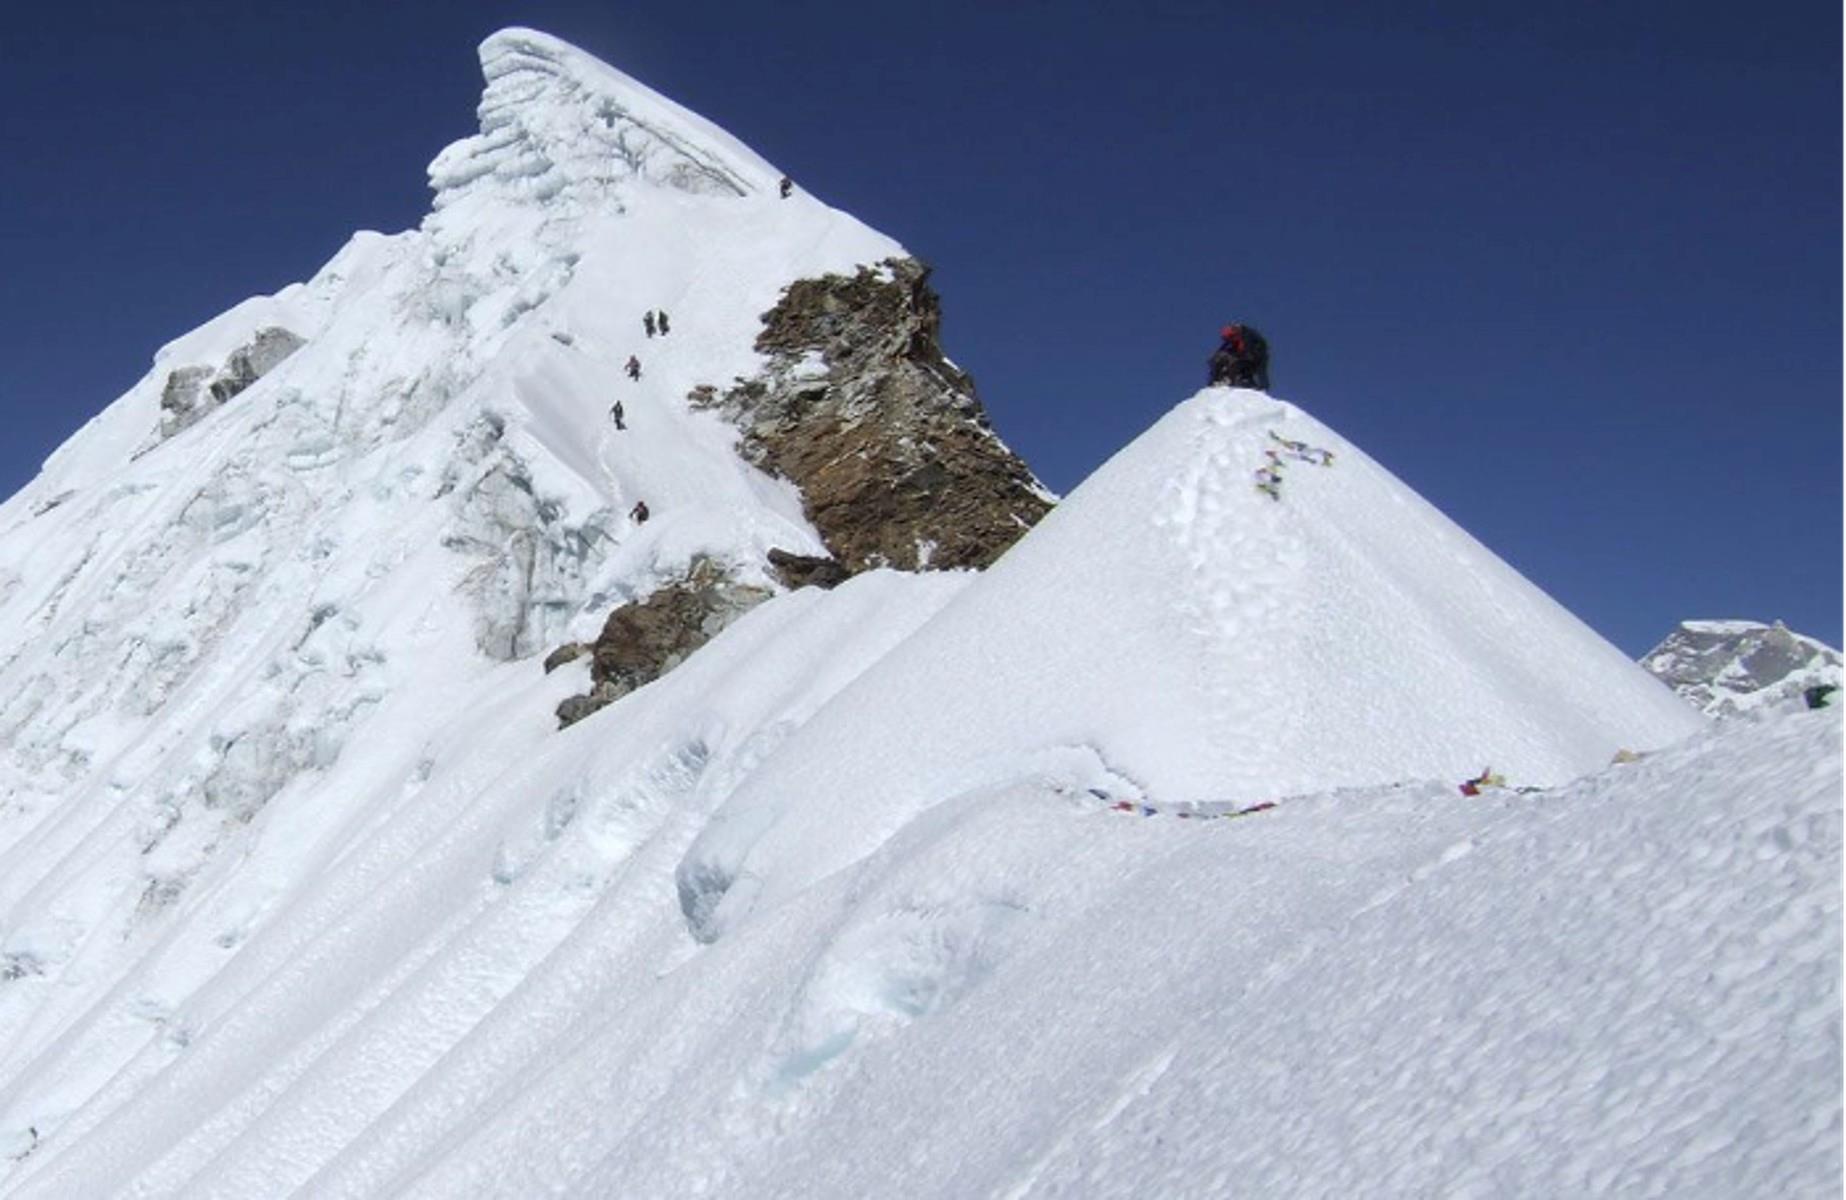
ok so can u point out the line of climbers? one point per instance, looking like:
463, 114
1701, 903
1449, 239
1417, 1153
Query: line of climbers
654, 321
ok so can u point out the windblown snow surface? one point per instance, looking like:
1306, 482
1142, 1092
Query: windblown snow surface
303, 893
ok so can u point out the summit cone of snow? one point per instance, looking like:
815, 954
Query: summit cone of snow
1173, 633
899, 841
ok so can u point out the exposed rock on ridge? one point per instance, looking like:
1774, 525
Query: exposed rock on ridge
892, 451
806, 570
192, 392
1724, 668
883, 435
644, 639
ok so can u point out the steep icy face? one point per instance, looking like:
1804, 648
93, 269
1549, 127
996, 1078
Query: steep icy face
234, 630
449, 383
1724, 668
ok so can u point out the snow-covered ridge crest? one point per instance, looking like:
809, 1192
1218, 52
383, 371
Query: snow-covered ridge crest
556, 120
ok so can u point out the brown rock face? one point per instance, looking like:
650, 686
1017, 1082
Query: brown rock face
806, 570
567, 653
884, 436
644, 639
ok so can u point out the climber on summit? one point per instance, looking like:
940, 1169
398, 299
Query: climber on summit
615, 414
638, 514
633, 367
660, 319
1241, 359
647, 321
787, 185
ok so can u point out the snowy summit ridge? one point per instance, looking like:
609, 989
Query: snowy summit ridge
303, 891
1235, 649
553, 120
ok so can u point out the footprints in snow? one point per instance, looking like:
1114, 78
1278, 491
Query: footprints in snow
1239, 548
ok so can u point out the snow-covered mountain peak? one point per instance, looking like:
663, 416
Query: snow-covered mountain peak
1239, 606
1730, 668
303, 891
335, 524
556, 122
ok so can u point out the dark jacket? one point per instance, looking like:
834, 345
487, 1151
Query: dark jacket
1241, 359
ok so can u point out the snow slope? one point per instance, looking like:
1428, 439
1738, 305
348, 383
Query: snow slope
1626, 986
1171, 632
226, 655
303, 893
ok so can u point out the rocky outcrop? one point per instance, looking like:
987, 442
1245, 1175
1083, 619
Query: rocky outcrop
644, 639
185, 399
893, 454
883, 436
569, 652
1724, 668
253, 360
806, 570
192, 392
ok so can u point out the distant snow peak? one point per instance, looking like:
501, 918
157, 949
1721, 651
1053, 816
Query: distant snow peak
555, 120
1728, 668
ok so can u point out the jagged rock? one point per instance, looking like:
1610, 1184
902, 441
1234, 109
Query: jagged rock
192, 392
883, 435
182, 401
575, 708
893, 454
1725, 668
806, 570
250, 362
644, 639
568, 652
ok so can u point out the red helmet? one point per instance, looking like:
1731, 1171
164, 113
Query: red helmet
1228, 332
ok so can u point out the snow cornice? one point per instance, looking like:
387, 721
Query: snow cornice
557, 122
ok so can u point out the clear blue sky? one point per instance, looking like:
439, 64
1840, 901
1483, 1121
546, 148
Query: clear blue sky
1569, 269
